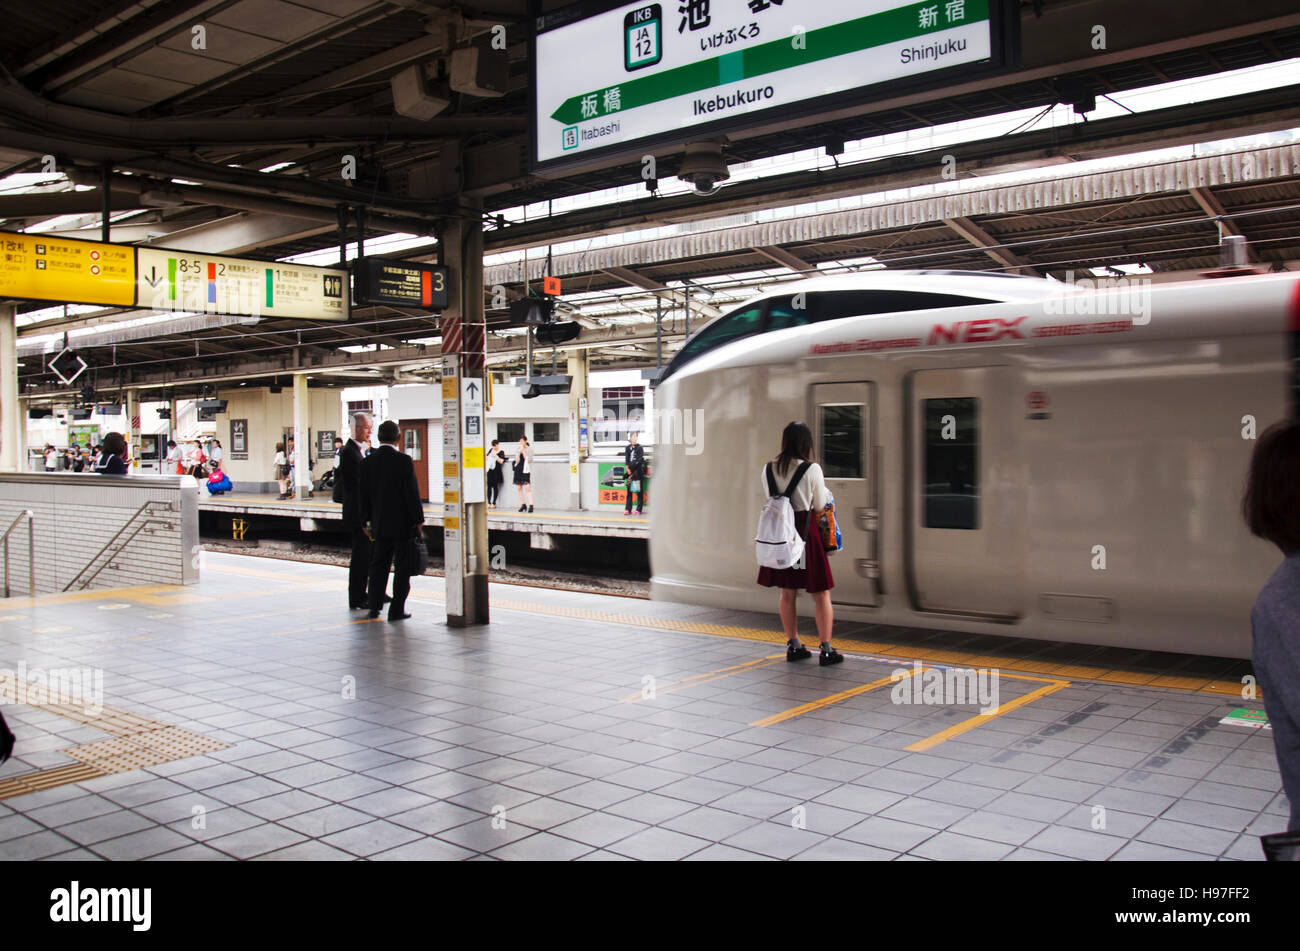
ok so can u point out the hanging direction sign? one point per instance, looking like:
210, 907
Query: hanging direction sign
206, 283
675, 71
400, 283
45, 268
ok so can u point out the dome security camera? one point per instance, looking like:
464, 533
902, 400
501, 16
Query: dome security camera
704, 167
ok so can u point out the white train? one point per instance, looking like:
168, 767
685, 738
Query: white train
1009, 456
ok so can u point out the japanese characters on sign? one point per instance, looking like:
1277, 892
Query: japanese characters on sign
650, 71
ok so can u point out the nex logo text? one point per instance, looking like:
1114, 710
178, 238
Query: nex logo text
975, 331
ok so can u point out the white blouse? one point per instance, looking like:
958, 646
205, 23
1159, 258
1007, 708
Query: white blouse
809, 495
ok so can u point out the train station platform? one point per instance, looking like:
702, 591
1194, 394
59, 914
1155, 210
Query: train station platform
612, 523
252, 716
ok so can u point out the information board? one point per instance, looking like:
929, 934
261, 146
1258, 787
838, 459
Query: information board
400, 283
44, 268
676, 70
206, 283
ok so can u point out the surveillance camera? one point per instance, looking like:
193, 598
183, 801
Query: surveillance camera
704, 167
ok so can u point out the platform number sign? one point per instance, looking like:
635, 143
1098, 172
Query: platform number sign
642, 37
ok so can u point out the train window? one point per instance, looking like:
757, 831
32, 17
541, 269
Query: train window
832, 305
951, 464
841, 440
781, 312
725, 329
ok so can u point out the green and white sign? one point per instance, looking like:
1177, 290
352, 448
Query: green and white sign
641, 72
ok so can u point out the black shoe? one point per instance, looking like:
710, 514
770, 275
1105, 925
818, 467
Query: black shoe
829, 657
398, 617
793, 653
356, 605
6, 742
523, 508
373, 614
530, 508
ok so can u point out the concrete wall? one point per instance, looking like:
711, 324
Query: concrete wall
268, 415
76, 515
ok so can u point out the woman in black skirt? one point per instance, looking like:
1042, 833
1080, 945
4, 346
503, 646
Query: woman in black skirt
813, 572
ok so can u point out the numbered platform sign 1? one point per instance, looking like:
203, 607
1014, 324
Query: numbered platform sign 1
472, 426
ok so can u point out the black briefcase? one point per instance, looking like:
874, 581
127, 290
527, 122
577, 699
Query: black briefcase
419, 555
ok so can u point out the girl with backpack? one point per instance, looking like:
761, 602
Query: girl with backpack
794, 475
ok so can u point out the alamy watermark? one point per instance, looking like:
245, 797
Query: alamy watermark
1131, 297
945, 686
65, 686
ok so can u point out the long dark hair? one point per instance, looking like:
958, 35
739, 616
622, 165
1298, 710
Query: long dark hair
796, 444
1271, 503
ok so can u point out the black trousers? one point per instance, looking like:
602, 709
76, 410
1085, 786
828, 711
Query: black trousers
640, 497
395, 553
493, 491
359, 568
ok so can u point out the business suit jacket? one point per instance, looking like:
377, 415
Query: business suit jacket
390, 496
347, 485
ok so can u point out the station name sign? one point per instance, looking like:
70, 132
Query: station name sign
66, 270
400, 283
606, 84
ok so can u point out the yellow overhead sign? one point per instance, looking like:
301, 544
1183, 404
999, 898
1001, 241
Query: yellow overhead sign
41, 267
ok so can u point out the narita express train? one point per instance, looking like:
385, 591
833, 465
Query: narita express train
1008, 455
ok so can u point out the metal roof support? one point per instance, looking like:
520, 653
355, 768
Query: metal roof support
990, 245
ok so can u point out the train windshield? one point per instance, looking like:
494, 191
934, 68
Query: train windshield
796, 310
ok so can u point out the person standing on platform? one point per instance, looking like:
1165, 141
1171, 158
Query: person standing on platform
392, 515
173, 459
347, 490
496, 474
524, 475
1272, 509
216, 453
281, 466
634, 466
51, 458
113, 460
807, 493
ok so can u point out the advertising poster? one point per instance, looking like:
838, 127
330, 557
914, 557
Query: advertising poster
83, 436
612, 484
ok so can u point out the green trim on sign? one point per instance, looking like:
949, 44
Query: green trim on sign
878, 29
270, 287
171, 278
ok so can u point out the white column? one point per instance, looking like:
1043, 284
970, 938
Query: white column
301, 437
576, 366
13, 423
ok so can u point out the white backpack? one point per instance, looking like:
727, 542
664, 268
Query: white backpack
777, 543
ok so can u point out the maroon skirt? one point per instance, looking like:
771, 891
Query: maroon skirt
813, 578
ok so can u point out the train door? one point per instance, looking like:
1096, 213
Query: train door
965, 515
842, 433
415, 436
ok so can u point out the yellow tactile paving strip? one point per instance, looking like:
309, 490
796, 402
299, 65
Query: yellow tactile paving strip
137, 742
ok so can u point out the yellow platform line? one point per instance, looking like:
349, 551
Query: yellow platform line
965, 726
833, 698
675, 685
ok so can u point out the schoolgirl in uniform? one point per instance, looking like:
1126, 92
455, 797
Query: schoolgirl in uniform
813, 573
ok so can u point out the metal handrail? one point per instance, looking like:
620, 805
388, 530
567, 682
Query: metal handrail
31, 549
147, 506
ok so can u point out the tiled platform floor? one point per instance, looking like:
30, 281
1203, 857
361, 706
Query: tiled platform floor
531, 739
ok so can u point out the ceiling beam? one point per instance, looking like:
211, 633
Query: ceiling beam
990, 245
1213, 208
629, 276
783, 257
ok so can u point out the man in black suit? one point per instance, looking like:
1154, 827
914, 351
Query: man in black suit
391, 514
347, 489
